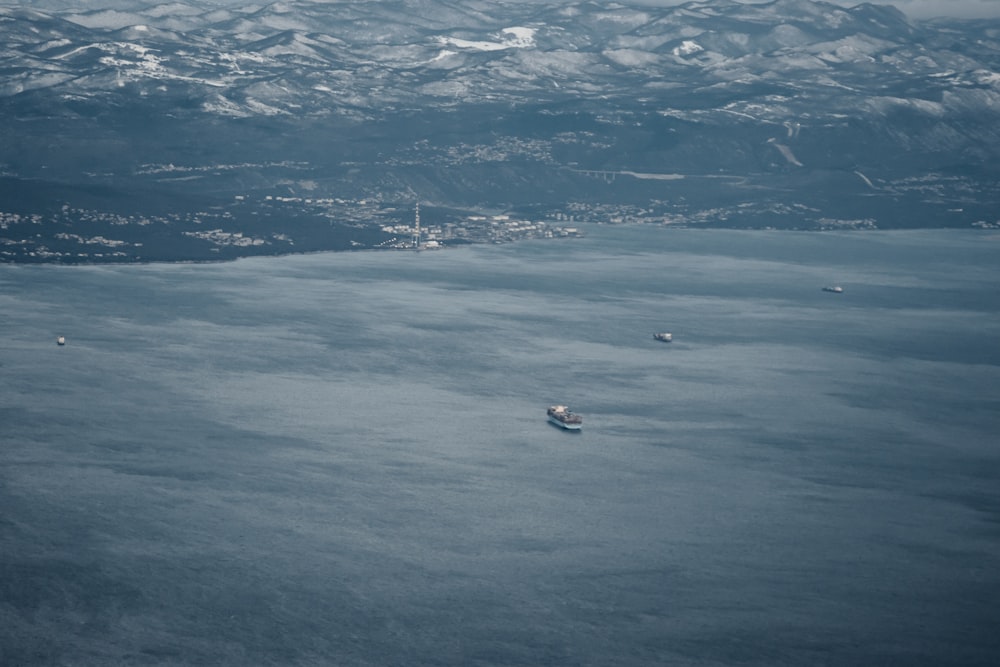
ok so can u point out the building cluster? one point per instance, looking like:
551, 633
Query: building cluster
219, 237
8, 220
251, 222
472, 229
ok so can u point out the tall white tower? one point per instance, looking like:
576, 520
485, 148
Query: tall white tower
416, 228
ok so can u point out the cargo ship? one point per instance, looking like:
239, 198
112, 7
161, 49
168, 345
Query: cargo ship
560, 416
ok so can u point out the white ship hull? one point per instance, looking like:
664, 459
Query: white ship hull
564, 425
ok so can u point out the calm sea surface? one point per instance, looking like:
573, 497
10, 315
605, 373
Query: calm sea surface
343, 459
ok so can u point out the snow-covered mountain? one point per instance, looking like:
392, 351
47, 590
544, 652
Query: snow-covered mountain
514, 103
772, 61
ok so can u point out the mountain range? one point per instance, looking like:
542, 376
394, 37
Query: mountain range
787, 114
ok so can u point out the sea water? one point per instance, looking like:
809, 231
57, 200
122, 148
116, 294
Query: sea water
343, 458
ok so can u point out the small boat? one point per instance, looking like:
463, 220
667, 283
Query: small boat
664, 336
61, 340
559, 415
836, 289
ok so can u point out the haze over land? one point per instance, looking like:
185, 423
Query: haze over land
210, 130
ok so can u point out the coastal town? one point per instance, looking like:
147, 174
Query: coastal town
299, 215
257, 225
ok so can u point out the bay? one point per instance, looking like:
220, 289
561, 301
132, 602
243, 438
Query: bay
343, 458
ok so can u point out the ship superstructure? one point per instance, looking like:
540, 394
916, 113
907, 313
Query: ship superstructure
561, 416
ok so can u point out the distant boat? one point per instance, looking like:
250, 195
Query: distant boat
836, 289
61, 340
560, 416
664, 336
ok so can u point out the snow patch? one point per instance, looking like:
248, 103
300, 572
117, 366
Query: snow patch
786, 152
509, 38
865, 179
262, 109
688, 48
172, 9
520, 37
631, 57
445, 53
106, 20
986, 78
886, 104
47, 80
223, 106
455, 89
53, 44
631, 19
